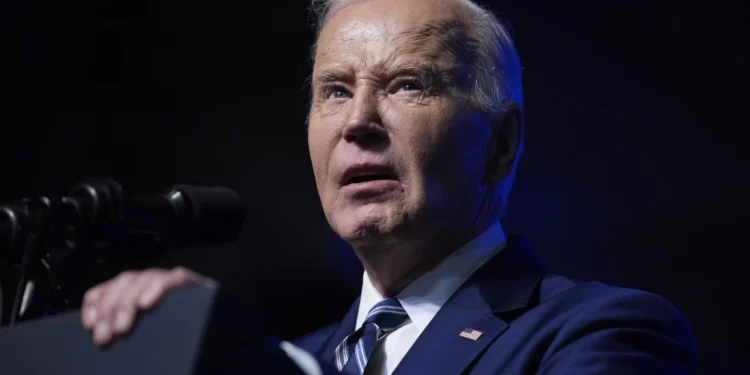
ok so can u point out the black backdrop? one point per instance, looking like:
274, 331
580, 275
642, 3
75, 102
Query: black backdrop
634, 172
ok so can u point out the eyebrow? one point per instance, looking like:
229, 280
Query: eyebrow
429, 72
426, 71
330, 76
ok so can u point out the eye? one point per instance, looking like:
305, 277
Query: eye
409, 86
338, 93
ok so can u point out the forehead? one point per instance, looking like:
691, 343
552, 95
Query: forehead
382, 32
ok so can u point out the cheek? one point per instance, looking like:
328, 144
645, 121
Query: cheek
319, 155
414, 130
446, 150
427, 137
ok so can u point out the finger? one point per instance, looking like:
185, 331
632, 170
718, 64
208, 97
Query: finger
107, 302
199, 279
93, 294
90, 298
159, 287
102, 334
91, 308
111, 301
88, 310
123, 320
183, 273
125, 311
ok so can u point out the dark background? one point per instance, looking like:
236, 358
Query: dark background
634, 173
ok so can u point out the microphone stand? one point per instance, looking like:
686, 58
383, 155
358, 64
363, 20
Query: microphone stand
41, 213
60, 246
67, 242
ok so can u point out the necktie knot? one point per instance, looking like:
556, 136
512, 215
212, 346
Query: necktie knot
387, 315
352, 354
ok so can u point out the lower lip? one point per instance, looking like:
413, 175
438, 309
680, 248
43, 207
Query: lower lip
370, 187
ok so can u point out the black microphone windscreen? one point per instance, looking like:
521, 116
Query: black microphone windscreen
218, 214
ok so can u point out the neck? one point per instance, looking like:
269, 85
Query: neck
391, 268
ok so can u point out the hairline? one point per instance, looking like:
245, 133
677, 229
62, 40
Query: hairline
325, 10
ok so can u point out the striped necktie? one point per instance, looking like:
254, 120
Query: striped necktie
352, 354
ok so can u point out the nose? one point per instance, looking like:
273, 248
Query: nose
364, 124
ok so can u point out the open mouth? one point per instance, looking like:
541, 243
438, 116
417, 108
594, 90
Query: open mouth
367, 177
367, 172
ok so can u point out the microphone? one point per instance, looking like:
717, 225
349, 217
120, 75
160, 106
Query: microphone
97, 223
96, 214
184, 215
13, 221
187, 215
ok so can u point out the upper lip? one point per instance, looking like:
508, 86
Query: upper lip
366, 169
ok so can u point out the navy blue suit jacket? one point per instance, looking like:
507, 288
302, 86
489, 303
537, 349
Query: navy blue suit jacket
535, 322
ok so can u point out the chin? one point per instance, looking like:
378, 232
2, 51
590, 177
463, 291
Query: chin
369, 225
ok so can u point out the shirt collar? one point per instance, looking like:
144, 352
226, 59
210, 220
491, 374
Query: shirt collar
424, 297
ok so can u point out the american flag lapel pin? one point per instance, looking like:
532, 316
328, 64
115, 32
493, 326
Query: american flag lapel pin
471, 334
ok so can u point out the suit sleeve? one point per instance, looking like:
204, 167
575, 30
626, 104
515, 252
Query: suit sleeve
623, 333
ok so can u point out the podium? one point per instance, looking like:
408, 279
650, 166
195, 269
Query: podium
194, 330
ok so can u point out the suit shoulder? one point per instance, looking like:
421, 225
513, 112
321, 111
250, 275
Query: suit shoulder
592, 322
591, 305
594, 295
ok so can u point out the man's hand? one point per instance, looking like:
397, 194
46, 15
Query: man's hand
109, 310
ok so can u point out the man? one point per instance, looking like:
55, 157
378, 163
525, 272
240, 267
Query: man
415, 131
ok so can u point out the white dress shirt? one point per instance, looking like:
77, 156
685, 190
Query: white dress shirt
422, 300
424, 297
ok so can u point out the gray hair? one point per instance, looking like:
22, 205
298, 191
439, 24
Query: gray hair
496, 70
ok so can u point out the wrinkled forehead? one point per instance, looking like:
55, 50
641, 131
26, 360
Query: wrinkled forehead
371, 33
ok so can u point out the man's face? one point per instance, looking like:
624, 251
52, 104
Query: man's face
395, 150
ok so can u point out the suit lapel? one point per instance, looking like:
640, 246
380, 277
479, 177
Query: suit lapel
440, 349
327, 350
505, 283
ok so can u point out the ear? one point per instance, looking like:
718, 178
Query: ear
506, 143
